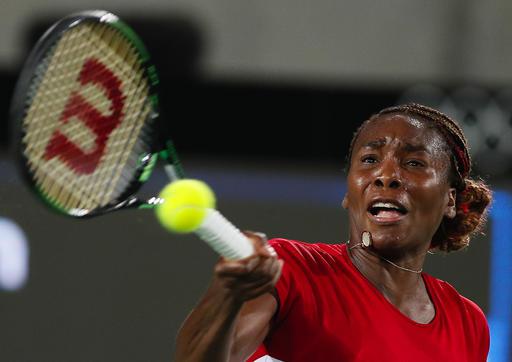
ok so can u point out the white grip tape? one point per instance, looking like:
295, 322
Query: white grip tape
224, 237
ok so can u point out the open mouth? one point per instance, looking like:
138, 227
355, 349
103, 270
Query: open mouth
387, 211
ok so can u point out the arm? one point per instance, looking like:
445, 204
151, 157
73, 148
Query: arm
233, 317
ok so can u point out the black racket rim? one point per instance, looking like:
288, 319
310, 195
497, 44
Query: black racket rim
19, 108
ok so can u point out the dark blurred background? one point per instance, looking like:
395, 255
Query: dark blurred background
261, 99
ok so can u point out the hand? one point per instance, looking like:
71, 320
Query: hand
248, 278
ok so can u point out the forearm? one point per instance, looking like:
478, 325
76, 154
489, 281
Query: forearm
208, 332
235, 311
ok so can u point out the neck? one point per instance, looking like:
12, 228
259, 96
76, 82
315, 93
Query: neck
389, 276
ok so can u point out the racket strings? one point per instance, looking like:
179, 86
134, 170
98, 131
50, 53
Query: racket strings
41, 108
50, 106
103, 178
47, 107
121, 140
63, 81
126, 142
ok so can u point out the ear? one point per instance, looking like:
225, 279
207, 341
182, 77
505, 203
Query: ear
451, 207
344, 203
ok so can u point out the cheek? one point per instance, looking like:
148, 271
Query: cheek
360, 181
358, 178
356, 184
430, 194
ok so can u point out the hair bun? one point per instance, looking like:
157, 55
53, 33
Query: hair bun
476, 196
472, 207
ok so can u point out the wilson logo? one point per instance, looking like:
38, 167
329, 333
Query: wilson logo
81, 159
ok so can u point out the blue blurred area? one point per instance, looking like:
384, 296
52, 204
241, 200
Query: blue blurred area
500, 311
274, 187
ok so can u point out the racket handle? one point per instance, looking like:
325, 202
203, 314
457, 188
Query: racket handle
224, 237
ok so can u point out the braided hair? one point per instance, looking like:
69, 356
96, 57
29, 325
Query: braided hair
473, 196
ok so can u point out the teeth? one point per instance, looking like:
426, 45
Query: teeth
386, 205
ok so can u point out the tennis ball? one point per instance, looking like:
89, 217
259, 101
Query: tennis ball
184, 205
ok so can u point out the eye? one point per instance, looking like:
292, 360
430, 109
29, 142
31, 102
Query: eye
415, 163
369, 159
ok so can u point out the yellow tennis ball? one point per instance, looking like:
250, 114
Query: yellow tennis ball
184, 205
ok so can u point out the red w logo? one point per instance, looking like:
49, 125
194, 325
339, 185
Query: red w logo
85, 162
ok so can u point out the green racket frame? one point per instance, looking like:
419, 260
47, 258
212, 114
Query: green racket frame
159, 150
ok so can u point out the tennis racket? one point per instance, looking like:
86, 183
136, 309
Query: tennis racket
86, 106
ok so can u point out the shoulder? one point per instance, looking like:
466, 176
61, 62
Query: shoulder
453, 300
465, 316
309, 274
289, 244
304, 251
447, 290
302, 246
313, 258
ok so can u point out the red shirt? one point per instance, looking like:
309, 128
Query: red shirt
328, 311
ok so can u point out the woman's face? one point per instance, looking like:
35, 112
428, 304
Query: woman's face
398, 187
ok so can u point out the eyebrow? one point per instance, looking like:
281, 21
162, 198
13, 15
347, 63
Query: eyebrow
376, 143
415, 148
408, 147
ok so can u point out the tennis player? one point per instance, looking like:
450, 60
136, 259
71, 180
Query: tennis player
408, 193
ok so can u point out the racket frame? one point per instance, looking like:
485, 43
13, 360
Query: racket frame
147, 161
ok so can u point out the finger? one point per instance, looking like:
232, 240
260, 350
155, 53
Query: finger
256, 235
262, 236
275, 270
247, 260
237, 268
264, 271
271, 251
230, 270
279, 271
260, 242
266, 266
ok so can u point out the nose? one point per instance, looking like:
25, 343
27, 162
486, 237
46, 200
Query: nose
388, 175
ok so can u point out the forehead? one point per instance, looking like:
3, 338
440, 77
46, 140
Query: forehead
403, 130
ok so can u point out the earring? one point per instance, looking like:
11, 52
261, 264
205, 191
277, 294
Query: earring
366, 238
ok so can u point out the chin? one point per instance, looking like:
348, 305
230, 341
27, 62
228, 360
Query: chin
388, 240
393, 244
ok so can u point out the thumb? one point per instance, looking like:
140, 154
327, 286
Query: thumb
260, 242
